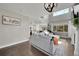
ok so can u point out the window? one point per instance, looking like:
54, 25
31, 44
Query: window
60, 28
61, 12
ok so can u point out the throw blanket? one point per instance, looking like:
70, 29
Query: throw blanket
58, 50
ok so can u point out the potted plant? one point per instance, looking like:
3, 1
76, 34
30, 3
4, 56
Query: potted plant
75, 22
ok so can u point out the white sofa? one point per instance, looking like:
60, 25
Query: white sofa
42, 42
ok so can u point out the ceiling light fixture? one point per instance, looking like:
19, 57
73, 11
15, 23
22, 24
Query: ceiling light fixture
49, 6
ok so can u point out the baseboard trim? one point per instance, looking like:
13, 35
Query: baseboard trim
13, 43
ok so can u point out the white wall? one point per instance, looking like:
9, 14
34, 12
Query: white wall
72, 32
76, 51
11, 34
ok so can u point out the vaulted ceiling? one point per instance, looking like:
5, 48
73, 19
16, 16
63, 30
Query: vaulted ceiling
31, 9
35, 10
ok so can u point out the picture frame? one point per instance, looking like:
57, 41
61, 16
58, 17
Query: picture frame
7, 20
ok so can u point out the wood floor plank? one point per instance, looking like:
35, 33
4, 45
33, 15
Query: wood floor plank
25, 49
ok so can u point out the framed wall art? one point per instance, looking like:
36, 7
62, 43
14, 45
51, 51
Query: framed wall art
7, 20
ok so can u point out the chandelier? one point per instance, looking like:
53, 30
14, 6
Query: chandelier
49, 6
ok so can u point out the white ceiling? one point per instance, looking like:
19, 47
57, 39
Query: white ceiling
35, 10
61, 6
27, 9
31, 9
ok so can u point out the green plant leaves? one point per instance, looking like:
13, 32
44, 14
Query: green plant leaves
76, 22
76, 19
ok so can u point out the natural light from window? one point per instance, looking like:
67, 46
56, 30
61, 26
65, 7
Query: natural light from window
61, 12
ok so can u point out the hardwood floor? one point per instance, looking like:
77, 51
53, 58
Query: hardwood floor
22, 49
25, 49
69, 48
